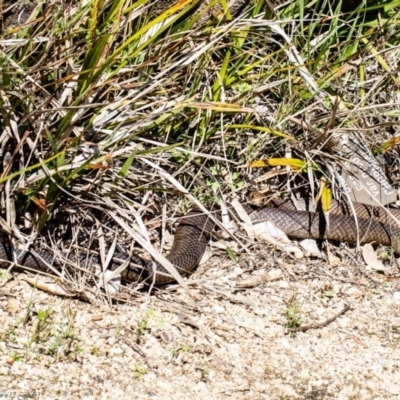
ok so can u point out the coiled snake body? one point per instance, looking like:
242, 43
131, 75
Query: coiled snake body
194, 232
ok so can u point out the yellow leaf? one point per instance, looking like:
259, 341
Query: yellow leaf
382, 62
294, 163
326, 198
389, 144
216, 106
263, 129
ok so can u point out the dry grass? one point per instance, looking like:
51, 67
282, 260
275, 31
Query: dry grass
117, 117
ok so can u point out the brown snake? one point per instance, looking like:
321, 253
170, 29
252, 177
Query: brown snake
195, 229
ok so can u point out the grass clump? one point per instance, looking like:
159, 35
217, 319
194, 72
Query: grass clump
105, 105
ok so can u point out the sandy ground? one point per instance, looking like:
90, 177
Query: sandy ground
224, 343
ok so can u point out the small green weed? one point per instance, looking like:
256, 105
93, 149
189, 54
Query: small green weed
292, 314
139, 371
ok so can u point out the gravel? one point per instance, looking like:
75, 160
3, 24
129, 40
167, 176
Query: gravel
225, 342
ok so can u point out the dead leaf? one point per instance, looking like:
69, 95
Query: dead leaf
371, 259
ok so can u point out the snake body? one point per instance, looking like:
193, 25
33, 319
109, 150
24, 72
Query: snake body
195, 229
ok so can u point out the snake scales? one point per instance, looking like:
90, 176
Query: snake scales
195, 229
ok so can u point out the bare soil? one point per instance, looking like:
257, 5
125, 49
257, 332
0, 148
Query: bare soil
224, 342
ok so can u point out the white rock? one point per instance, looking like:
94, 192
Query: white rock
396, 295
394, 389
